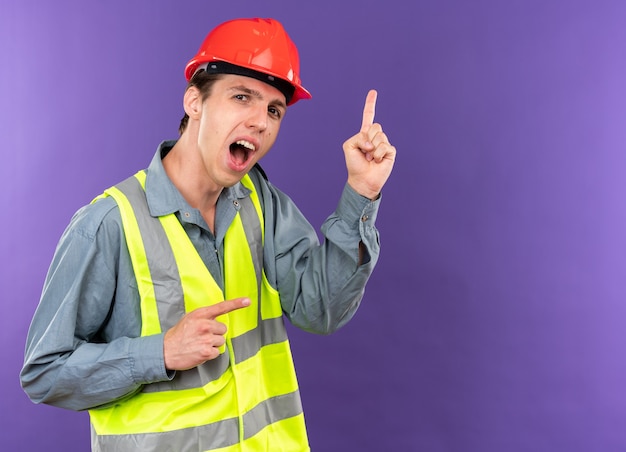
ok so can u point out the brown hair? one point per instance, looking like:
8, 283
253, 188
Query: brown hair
204, 82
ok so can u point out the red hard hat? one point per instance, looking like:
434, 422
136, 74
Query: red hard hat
261, 45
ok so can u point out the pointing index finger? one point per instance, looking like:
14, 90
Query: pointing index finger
369, 110
227, 306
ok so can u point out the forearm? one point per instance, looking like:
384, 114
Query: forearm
322, 287
92, 374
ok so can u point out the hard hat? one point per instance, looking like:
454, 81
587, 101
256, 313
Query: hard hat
256, 47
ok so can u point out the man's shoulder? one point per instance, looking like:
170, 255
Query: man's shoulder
93, 217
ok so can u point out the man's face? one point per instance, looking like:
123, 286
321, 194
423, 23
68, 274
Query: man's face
239, 124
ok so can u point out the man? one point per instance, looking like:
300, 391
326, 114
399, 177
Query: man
162, 310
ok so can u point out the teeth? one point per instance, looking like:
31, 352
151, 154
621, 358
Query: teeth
246, 144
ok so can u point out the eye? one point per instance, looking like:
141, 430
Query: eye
275, 112
241, 97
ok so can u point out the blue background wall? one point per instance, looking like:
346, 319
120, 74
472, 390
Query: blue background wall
495, 319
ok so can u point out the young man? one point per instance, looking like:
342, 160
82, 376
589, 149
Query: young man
162, 312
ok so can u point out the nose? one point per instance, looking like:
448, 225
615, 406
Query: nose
258, 118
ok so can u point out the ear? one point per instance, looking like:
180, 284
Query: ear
192, 102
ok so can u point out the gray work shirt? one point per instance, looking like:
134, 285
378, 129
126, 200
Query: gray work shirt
84, 347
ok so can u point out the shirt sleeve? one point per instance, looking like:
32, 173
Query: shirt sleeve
321, 285
78, 354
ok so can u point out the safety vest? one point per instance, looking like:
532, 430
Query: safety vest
247, 399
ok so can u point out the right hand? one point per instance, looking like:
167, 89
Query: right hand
197, 337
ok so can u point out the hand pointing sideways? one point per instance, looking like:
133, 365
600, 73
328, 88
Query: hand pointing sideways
197, 336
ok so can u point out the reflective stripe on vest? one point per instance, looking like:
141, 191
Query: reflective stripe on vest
247, 398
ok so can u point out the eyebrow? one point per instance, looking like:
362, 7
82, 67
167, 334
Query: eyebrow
257, 94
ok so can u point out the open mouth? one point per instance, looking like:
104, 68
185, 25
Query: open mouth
240, 151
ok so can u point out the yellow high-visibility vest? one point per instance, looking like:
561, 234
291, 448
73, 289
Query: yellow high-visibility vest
247, 399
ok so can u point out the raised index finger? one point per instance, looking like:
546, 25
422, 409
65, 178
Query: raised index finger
369, 110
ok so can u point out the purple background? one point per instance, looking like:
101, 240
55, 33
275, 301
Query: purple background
495, 319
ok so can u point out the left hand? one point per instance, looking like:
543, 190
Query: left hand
369, 155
